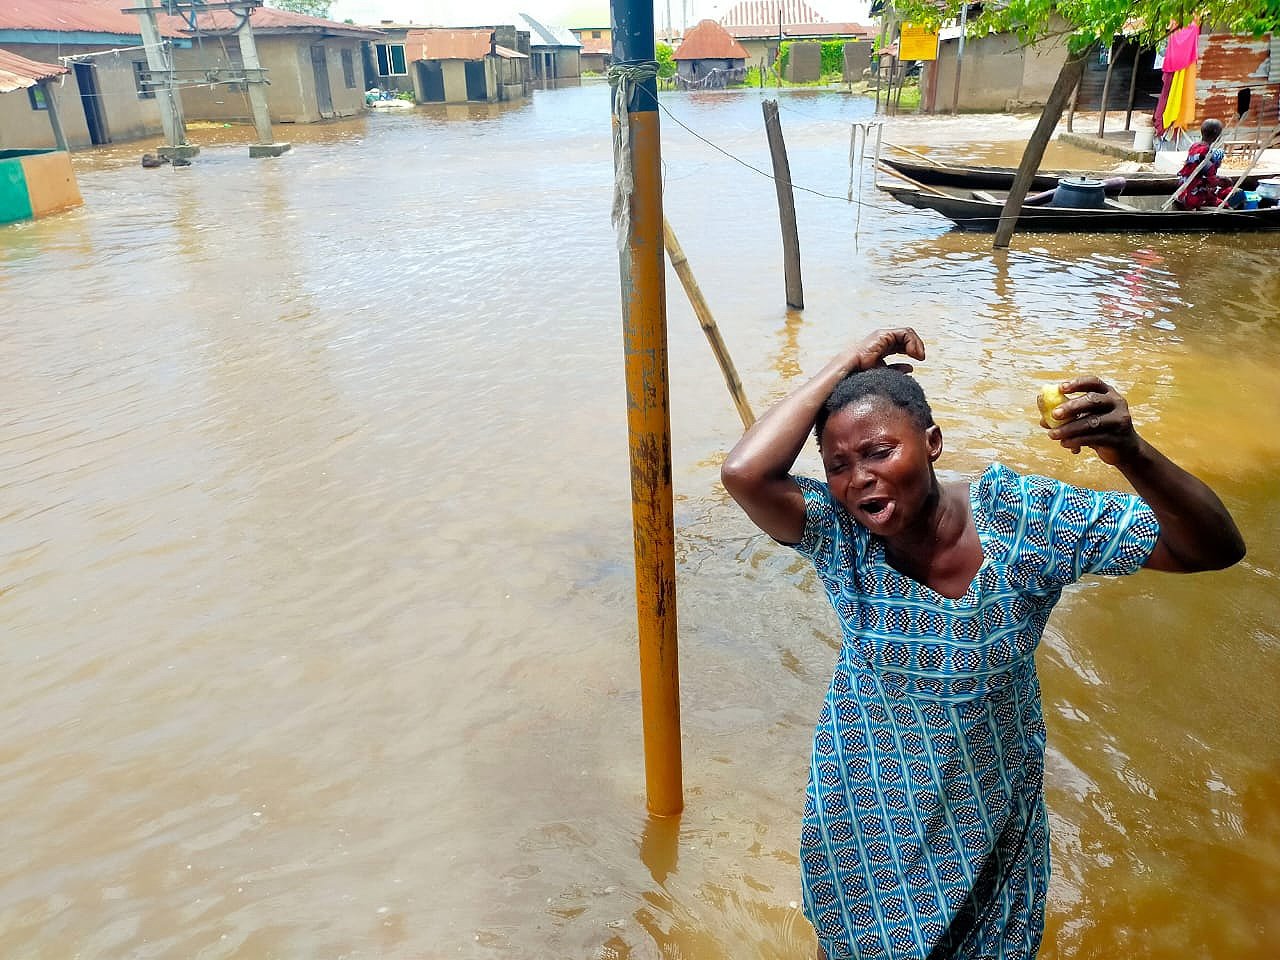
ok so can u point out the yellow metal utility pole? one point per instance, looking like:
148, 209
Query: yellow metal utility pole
638, 211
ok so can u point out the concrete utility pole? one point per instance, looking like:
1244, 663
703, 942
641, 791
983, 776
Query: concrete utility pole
160, 66
266, 145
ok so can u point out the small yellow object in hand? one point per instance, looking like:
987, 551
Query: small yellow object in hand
1049, 399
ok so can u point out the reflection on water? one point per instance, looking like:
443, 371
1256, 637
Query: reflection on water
315, 566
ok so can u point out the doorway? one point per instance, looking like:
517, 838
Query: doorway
477, 85
95, 117
320, 67
431, 80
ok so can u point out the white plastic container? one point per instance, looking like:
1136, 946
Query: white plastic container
1269, 189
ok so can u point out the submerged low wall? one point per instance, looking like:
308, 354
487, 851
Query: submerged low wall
36, 183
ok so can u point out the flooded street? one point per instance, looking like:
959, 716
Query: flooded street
315, 562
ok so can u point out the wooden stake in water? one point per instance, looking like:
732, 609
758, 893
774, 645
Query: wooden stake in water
786, 204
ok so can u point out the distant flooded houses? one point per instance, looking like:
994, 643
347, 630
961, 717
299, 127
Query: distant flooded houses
555, 53
597, 48
709, 57
109, 94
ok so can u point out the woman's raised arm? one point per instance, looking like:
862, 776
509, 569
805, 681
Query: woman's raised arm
757, 472
1196, 530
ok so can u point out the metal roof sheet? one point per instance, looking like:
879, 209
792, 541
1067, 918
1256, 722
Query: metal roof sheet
805, 30
77, 16
17, 73
542, 35
439, 43
710, 41
770, 13
270, 20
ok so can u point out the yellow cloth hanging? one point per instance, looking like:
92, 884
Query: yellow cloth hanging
1173, 103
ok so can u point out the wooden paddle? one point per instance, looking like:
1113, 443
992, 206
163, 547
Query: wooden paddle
1243, 98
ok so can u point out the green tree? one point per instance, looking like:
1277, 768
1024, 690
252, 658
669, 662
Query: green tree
666, 57
1086, 24
312, 8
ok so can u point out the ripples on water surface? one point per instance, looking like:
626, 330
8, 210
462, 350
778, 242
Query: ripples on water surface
315, 560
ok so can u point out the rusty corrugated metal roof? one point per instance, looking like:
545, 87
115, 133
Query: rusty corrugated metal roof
270, 20
17, 73
806, 31
1228, 63
710, 41
770, 12
76, 16
439, 43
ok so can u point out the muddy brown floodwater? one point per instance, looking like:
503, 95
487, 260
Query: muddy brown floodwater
315, 552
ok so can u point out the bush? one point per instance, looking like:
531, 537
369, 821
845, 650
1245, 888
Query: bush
666, 57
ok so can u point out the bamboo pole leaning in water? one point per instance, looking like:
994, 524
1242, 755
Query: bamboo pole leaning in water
680, 263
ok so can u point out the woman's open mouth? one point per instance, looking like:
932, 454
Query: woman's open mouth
876, 509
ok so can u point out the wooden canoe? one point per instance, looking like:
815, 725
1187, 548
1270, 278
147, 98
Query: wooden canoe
1001, 178
980, 212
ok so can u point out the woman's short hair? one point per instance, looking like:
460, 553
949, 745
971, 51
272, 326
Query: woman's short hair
882, 383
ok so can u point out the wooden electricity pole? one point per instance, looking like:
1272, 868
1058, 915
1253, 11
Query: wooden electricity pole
643, 270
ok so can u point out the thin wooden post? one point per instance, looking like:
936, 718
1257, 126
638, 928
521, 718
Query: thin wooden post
1068, 77
644, 326
1133, 85
680, 263
786, 204
1106, 91
1071, 112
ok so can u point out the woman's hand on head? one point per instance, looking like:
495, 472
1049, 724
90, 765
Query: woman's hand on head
873, 350
1099, 418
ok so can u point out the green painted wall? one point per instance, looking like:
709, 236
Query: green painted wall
15, 203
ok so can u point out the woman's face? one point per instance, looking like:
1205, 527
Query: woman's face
879, 464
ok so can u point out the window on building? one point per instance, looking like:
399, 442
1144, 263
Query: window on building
37, 97
391, 62
348, 70
142, 80
595, 34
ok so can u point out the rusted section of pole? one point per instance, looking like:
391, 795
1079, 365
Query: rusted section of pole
1068, 77
680, 263
786, 204
644, 327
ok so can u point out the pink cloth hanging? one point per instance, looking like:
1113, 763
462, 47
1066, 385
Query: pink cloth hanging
1183, 49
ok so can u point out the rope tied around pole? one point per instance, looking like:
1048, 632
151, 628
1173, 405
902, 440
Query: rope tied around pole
625, 78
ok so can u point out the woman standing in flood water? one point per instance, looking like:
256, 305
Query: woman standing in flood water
925, 833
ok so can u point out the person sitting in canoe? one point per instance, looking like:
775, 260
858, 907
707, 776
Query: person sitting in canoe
1206, 188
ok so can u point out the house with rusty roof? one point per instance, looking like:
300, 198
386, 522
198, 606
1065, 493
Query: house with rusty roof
761, 26
555, 53
709, 57
453, 65
102, 98
315, 67
109, 94
597, 47
33, 183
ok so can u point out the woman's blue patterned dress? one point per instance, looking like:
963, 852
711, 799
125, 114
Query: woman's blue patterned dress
925, 833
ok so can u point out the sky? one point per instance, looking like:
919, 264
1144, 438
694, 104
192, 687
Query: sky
565, 13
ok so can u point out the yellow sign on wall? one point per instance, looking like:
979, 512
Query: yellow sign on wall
917, 43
